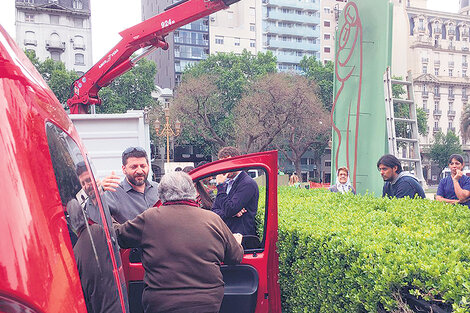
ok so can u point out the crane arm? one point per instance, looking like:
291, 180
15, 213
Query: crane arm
148, 36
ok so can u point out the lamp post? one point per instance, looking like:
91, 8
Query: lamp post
167, 131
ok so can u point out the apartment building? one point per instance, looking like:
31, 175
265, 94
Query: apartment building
56, 29
438, 56
237, 28
188, 45
329, 14
291, 30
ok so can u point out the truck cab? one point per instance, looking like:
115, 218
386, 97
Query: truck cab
59, 250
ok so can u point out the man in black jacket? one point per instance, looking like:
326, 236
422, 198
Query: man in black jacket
237, 197
398, 184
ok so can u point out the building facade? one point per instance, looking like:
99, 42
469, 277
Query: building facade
237, 28
56, 29
329, 15
291, 30
187, 45
438, 56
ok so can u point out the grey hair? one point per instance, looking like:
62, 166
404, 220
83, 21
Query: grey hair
176, 186
76, 214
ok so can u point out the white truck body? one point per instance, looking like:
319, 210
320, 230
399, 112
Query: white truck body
106, 136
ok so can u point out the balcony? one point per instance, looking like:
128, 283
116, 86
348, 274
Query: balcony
421, 29
426, 110
451, 113
451, 129
437, 30
437, 63
30, 42
464, 65
294, 4
273, 43
451, 64
437, 95
293, 17
295, 31
55, 45
191, 41
436, 129
451, 96
425, 94
78, 46
437, 112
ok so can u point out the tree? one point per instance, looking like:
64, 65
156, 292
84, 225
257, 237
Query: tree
283, 111
323, 75
130, 91
443, 147
228, 77
55, 74
199, 106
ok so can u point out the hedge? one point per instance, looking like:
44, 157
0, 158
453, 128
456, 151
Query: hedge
346, 253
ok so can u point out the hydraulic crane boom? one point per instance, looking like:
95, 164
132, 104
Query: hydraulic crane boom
149, 35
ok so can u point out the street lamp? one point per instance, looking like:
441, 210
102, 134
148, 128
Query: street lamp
167, 131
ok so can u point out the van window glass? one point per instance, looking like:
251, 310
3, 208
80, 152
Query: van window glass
253, 210
85, 223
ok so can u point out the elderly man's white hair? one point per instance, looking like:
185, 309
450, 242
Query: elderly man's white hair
176, 186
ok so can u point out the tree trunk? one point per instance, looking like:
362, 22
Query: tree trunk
298, 169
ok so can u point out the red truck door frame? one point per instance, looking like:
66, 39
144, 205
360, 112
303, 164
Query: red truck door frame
253, 285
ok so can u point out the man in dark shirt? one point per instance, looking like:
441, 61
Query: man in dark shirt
237, 197
398, 184
135, 193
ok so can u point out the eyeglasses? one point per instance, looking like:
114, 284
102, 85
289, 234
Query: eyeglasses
132, 149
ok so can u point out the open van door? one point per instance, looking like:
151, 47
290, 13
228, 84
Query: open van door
252, 286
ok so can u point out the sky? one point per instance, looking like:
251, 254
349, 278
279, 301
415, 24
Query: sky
109, 17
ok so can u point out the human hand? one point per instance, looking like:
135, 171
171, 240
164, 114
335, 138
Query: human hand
111, 182
221, 178
458, 174
240, 213
238, 237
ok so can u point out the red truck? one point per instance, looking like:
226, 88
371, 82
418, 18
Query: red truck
55, 260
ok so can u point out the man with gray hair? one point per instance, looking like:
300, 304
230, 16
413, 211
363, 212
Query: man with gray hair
183, 248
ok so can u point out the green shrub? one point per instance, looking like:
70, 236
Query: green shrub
346, 253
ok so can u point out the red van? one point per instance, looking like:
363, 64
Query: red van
56, 258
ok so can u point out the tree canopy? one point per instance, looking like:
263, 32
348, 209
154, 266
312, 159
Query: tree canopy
55, 74
227, 77
443, 147
130, 91
323, 75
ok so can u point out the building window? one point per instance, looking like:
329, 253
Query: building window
252, 11
425, 105
219, 40
237, 41
326, 49
30, 38
451, 72
55, 55
436, 71
326, 36
78, 22
79, 59
77, 4
425, 69
327, 10
29, 18
230, 15
252, 27
54, 19
464, 73
326, 23
252, 43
